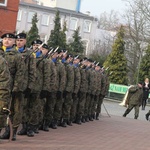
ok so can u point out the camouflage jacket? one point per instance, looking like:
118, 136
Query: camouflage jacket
61, 76
69, 87
99, 78
16, 68
4, 80
77, 79
83, 83
42, 75
30, 69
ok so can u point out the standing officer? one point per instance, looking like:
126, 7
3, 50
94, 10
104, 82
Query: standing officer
77, 81
29, 77
16, 68
69, 87
60, 86
4, 91
51, 96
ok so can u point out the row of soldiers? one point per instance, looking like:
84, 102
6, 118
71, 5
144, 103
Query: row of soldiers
47, 88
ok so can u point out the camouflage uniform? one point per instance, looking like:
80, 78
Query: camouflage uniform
36, 101
77, 81
82, 96
69, 87
89, 92
28, 85
51, 98
134, 100
97, 94
60, 86
93, 92
16, 68
102, 94
4, 90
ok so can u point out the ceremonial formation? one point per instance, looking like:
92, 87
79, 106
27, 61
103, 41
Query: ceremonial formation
45, 87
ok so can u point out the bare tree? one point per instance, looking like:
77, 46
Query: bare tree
108, 21
135, 35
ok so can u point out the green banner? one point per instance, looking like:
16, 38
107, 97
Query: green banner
116, 88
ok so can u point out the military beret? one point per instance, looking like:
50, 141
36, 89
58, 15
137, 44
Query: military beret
69, 56
21, 36
8, 35
90, 60
45, 46
36, 42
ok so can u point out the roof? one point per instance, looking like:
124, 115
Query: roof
61, 10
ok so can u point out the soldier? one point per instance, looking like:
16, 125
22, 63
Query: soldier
51, 96
4, 91
102, 93
29, 77
77, 81
40, 91
69, 87
16, 68
98, 90
60, 86
134, 100
80, 117
89, 92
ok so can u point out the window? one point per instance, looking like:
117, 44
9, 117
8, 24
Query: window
19, 15
45, 19
73, 23
30, 16
87, 26
3, 2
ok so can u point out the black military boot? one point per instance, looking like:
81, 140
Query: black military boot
46, 125
91, 118
97, 116
135, 117
23, 131
86, 119
14, 133
83, 119
64, 123
6, 134
36, 129
54, 124
69, 123
78, 120
30, 130
147, 116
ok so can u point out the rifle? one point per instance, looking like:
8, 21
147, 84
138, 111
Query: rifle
53, 52
28, 56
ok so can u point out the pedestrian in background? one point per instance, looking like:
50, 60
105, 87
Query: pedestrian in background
146, 87
134, 100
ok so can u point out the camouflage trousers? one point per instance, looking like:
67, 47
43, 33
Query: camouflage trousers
3, 117
91, 104
81, 104
130, 107
33, 109
58, 107
73, 110
25, 113
95, 101
16, 109
49, 106
67, 105
87, 103
99, 103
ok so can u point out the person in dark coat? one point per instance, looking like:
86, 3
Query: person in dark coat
146, 87
134, 100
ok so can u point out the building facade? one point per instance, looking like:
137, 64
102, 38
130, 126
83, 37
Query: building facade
8, 15
46, 16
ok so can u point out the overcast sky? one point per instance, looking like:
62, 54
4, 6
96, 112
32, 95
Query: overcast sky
96, 7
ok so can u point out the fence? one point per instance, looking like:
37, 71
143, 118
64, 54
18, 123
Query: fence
117, 92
